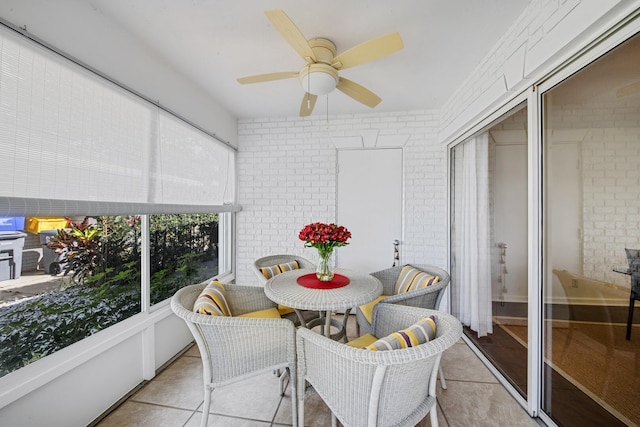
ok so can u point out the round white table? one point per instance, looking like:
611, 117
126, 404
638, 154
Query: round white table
361, 289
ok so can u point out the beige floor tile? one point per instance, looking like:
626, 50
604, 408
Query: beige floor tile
179, 385
460, 363
221, 420
283, 415
146, 415
192, 352
426, 421
481, 404
257, 398
316, 413
473, 398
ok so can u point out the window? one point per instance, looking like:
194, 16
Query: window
122, 181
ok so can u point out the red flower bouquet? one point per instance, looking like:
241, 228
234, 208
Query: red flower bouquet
325, 238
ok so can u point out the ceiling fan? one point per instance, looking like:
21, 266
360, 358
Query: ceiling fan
319, 76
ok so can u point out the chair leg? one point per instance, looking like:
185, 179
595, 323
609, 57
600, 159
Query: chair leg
630, 317
300, 406
433, 416
282, 379
443, 383
206, 406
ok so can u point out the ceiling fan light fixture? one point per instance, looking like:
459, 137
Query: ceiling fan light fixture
319, 79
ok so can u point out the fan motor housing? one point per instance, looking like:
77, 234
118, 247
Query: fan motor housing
324, 49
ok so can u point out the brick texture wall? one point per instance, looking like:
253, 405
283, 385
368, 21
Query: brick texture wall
286, 165
287, 178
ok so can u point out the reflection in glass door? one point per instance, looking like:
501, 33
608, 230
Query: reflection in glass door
591, 148
489, 242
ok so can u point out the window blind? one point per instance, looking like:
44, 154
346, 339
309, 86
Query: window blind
70, 139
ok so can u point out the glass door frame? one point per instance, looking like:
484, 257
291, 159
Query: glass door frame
537, 194
532, 95
523, 97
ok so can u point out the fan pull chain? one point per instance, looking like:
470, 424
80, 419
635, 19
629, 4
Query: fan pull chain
327, 111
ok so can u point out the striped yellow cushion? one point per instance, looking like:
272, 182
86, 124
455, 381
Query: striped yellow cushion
411, 278
212, 301
269, 272
367, 309
419, 333
268, 313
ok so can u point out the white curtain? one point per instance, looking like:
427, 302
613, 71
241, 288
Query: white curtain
473, 236
68, 135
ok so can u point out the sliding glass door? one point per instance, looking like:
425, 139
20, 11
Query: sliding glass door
591, 182
546, 278
489, 242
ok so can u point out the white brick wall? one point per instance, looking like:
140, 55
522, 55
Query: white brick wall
286, 165
546, 35
287, 178
609, 148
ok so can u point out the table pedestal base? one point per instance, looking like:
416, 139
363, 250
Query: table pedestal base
326, 322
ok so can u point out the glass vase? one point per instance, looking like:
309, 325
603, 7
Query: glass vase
324, 271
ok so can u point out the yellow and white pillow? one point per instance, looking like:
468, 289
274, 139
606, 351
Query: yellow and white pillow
212, 300
411, 278
419, 333
273, 270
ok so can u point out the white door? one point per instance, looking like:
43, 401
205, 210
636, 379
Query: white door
370, 206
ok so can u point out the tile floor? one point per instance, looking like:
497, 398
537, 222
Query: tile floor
473, 397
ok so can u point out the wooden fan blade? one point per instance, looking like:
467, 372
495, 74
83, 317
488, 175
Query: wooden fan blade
291, 34
368, 51
357, 92
268, 77
628, 90
308, 102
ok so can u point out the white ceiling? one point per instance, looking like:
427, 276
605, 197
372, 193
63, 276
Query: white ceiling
213, 42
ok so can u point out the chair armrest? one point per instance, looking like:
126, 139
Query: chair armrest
428, 297
389, 276
389, 318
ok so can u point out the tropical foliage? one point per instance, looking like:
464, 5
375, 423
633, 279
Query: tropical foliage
102, 280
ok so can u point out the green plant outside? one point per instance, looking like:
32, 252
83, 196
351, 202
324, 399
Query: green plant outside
109, 292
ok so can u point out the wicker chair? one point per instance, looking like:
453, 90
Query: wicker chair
376, 388
235, 348
272, 260
428, 297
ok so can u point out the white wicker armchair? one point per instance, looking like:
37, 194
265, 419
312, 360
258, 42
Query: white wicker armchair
234, 348
376, 388
428, 297
296, 316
